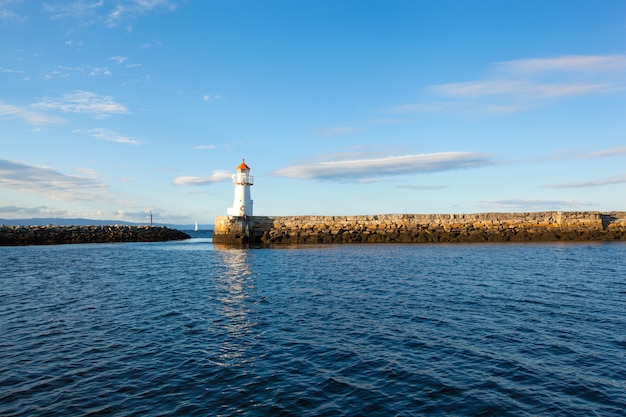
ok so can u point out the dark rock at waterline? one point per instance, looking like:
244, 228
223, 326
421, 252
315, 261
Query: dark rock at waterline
53, 235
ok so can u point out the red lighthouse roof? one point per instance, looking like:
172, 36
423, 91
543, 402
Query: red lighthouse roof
243, 166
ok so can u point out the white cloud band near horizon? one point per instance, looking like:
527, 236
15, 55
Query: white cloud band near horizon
529, 204
216, 176
52, 183
593, 183
9, 111
357, 169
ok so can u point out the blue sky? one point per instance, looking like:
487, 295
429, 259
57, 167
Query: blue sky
112, 109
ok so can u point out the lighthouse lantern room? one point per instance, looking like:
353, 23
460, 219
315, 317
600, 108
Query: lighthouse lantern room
242, 206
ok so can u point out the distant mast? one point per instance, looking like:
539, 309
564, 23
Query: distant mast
242, 205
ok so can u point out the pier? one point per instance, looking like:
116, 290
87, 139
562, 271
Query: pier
422, 228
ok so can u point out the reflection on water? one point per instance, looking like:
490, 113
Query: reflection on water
234, 286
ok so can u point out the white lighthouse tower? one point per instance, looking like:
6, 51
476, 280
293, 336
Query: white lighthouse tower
242, 206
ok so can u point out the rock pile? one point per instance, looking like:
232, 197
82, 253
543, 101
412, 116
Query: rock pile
53, 235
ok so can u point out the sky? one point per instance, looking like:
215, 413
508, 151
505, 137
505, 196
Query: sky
112, 109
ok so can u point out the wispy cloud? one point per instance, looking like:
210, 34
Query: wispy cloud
525, 205
579, 154
570, 63
7, 14
8, 111
119, 59
519, 89
137, 215
50, 182
63, 72
423, 187
89, 12
13, 211
358, 169
216, 176
99, 71
211, 97
84, 11
201, 147
129, 9
10, 71
592, 183
518, 85
606, 153
83, 102
108, 135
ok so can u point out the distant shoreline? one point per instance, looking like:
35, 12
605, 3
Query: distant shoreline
55, 235
422, 228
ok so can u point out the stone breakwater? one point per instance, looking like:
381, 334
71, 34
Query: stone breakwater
422, 228
53, 235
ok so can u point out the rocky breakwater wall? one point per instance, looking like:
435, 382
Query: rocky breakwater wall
53, 235
423, 228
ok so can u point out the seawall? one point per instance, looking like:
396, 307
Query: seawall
53, 235
422, 228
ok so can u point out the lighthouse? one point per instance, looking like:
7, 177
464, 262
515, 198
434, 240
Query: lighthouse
242, 206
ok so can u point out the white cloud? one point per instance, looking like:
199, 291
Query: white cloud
358, 169
518, 89
10, 71
211, 97
84, 11
577, 154
84, 102
131, 8
8, 111
108, 135
200, 147
8, 15
593, 183
518, 85
71, 43
100, 71
216, 176
50, 182
606, 153
569, 63
17, 212
119, 59
88, 12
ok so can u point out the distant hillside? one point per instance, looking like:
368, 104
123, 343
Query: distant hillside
44, 221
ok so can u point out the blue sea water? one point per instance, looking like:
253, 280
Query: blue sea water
191, 328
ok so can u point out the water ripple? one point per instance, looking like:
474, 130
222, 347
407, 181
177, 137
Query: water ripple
186, 328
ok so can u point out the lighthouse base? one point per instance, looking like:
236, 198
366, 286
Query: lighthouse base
233, 230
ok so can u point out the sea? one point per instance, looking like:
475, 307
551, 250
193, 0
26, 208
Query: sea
191, 328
